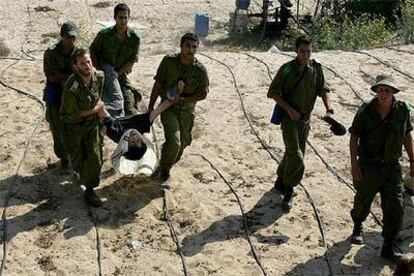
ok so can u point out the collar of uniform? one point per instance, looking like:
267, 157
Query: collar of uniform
373, 107
297, 65
179, 60
129, 30
82, 82
59, 47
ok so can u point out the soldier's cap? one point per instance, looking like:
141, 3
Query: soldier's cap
68, 29
384, 80
336, 127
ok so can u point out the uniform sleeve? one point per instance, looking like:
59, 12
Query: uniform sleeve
204, 81
50, 66
321, 89
69, 109
135, 50
408, 126
357, 124
96, 45
277, 85
161, 75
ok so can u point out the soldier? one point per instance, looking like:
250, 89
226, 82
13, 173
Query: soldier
378, 132
115, 50
80, 105
295, 88
57, 66
179, 119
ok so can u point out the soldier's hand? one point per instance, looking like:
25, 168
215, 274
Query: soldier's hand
294, 115
176, 100
99, 105
356, 173
180, 87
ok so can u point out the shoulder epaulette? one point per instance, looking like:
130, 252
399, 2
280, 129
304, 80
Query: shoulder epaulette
362, 107
99, 74
74, 86
52, 47
136, 34
286, 68
316, 63
105, 30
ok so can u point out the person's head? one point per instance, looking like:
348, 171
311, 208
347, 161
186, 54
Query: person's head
136, 147
68, 33
385, 88
82, 62
303, 49
189, 45
121, 15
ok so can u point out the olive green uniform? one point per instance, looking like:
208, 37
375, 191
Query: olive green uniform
300, 96
109, 49
55, 62
178, 120
83, 139
379, 148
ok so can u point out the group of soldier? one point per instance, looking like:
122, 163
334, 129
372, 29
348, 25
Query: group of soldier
77, 92
379, 130
81, 83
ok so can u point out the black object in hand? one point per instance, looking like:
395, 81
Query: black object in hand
337, 128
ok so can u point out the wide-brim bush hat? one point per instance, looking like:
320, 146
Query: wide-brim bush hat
387, 80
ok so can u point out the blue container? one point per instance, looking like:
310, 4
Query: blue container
201, 24
242, 4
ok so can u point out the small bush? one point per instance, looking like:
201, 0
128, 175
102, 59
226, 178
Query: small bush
4, 50
406, 23
361, 32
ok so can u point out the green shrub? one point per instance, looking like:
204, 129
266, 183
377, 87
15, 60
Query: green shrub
361, 32
406, 23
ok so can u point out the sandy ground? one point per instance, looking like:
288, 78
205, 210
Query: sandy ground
51, 231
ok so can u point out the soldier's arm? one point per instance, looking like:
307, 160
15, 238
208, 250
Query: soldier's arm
275, 93
50, 69
202, 90
353, 148
327, 102
155, 92
93, 110
94, 50
408, 145
127, 66
70, 111
159, 78
69, 107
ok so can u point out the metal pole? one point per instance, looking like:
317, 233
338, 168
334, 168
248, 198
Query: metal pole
297, 12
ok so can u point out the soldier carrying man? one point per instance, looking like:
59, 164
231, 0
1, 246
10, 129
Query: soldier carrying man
115, 51
178, 120
57, 66
81, 102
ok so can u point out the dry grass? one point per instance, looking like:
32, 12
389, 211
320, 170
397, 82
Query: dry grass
102, 4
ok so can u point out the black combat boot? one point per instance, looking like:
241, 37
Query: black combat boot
356, 237
389, 250
287, 202
279, 186
91, 198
